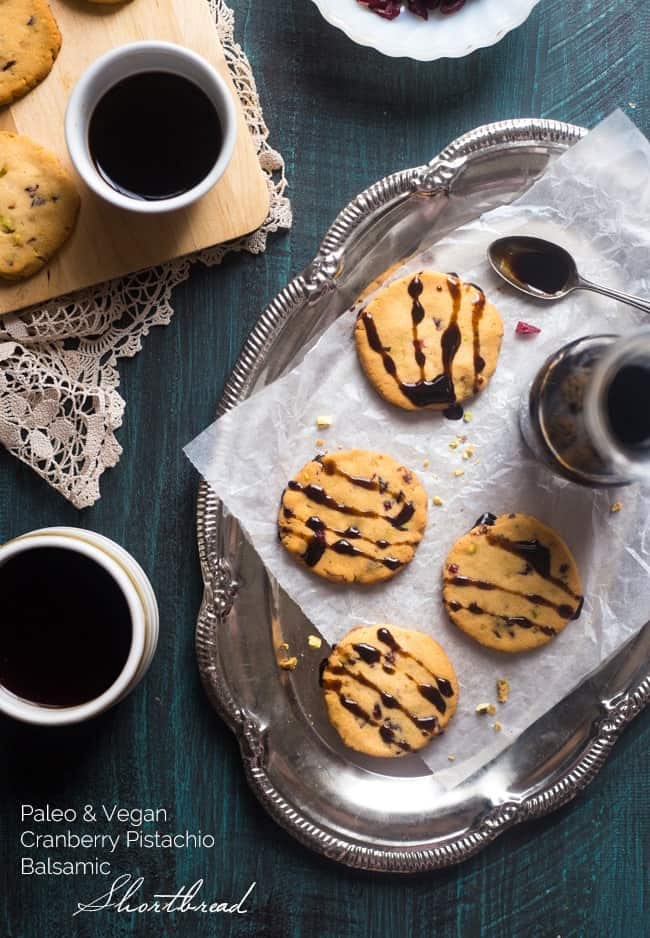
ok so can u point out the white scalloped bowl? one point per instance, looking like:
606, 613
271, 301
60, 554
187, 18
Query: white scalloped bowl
480, 23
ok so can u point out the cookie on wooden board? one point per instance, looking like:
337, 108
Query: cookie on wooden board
38, 206
29, 44
353, 516
388, 690
428, 340
511, 583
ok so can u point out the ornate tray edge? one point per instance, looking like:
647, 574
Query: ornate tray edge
221, 587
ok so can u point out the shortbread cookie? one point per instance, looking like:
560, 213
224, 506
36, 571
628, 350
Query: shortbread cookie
353, 516
428, 340
511, 583
29, 43
388, 690
38, 206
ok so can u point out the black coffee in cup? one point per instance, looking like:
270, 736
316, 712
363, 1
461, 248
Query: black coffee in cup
154, 135
65, 627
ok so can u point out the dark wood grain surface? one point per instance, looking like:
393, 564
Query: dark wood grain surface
342, 116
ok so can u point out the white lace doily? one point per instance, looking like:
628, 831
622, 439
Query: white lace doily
59, 404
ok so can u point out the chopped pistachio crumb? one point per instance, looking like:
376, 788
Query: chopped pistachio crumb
469, 452
472, 548
503, 690
436, 500
467, 416
425, 463
323, 422
459, 472
453, 444
6, 224
497, 727
452, 758
486, 708
288, 664
616, 507
314, 641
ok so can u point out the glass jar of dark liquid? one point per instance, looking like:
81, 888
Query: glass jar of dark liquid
586, 414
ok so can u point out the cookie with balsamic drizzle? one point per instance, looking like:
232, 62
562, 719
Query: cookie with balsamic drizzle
511, 583
429, 341
353, 516
388, 690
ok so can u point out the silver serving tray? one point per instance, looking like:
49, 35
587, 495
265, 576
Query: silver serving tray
382, 814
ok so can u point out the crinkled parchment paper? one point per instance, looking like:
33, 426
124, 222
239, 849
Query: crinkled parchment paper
594, 200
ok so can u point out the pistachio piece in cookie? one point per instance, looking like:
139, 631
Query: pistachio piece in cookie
353, 516
388, 690
38, 206
511, 583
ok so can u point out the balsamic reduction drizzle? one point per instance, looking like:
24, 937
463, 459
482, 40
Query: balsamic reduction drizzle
445, 689
374, 484
427, 723
417, 315
563, 609
508, 621
317, 545
425, 392
453, 412
486, 518
367, 653
317, 493
534, 553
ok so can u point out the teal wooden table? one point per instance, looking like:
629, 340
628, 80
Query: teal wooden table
343, 116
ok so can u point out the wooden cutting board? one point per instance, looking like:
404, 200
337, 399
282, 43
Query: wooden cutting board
109, 242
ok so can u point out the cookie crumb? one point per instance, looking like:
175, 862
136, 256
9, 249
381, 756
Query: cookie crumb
497, 727
436, 500
323, 422
616, 507
452, 758
459, 472
288, 664
319, 442
314, 641
483, 708
503, 690
467, 416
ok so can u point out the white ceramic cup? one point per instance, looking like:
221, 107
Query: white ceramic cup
121, 63
139, 595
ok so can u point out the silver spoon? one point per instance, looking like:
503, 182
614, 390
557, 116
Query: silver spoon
546, 271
